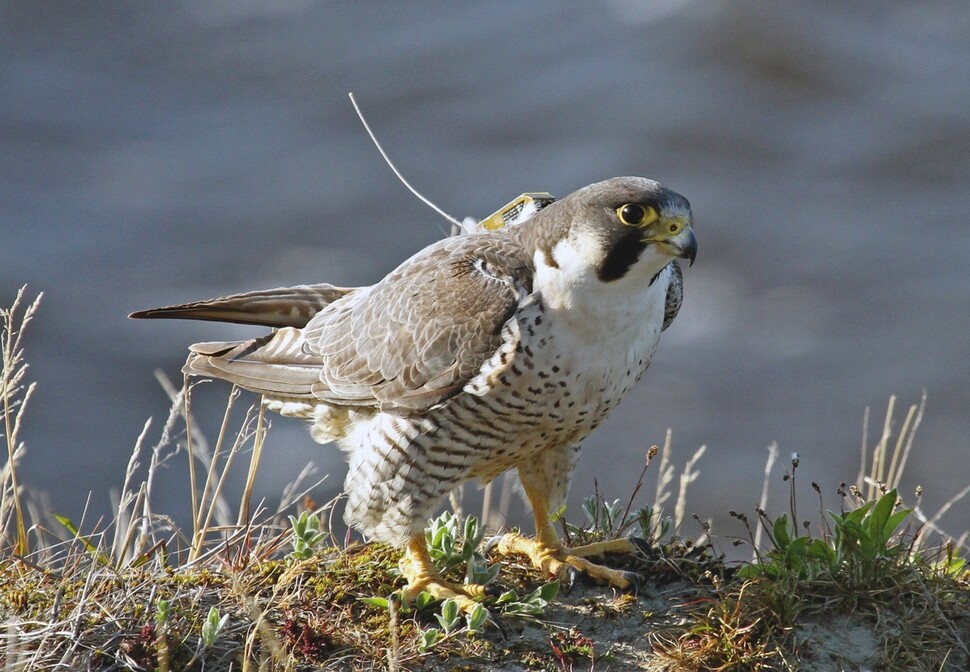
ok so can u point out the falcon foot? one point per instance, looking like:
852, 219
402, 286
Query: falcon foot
567, 563
422, 575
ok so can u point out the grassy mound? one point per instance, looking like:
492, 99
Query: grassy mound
871, 585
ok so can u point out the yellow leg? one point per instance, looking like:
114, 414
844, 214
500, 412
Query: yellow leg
548, 554
422, 575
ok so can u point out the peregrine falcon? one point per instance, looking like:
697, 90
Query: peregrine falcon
481, 353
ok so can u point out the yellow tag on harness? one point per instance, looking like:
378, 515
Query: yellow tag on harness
517, 211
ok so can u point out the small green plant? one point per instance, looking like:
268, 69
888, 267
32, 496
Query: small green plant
865, 542
602, 515
650, 523
951, 565
428, 638
449, 617
572, 647
212, 627
452, 543
306, 535
422, 600
608, 520
533, 604
611, 520
162, 610
868, 536
791, 554
475, 621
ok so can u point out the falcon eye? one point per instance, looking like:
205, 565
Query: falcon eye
631, 214
634, 214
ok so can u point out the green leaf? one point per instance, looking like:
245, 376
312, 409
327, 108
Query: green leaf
859, 514
471, 529
591, 509
448, 617
162, 610
506, 597
429, 638
780, 532
881, 512
821, 551
439, 535
212, 626
952, 566
613, 512
527, 608
549, 591
796, 549
423, 599
379, 602
91, 548
752, 571
896, 520
480, 572
476, 619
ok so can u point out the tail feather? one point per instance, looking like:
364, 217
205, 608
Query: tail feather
281, 307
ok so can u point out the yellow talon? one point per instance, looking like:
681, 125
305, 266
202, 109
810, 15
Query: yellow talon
565, 563
422, 575
548, 554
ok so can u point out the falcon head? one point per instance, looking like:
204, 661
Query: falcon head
618, 228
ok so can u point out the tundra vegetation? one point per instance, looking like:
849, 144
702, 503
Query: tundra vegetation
866, 580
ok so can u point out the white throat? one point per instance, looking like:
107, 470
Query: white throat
575, 295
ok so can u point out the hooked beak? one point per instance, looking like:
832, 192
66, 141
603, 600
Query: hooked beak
675, 235
687, 246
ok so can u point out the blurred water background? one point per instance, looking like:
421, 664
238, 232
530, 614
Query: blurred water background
160, 152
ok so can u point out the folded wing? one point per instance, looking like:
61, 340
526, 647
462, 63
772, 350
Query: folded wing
403, 345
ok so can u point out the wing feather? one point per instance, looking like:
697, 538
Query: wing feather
405, 344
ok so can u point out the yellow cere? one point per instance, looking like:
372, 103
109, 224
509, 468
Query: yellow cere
675, 225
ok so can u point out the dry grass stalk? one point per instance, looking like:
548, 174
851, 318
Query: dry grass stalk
763, 501
687, 476
260, 439
15, 399
909, 433
665, 474
885, 470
